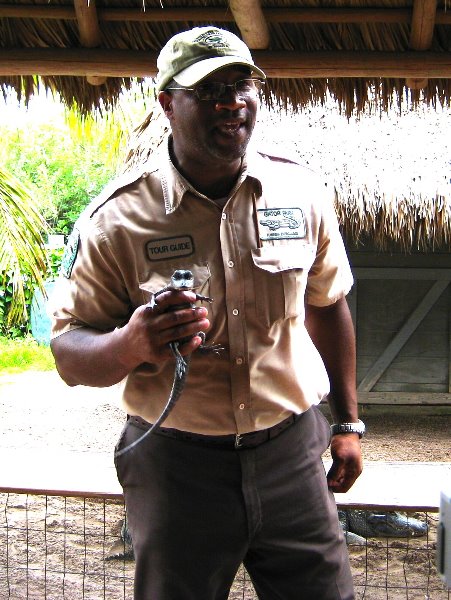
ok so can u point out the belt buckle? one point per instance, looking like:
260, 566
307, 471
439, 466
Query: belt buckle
238, 440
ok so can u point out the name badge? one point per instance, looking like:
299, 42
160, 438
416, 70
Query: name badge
167, 248
281, 223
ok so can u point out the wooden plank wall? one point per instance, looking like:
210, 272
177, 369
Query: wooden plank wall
402, 316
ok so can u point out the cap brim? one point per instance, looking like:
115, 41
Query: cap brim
203, 68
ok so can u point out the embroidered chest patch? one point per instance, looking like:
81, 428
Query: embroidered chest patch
281, 223
172, 247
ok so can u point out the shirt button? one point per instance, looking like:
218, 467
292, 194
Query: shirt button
231, 263
239, 360
235, 312
223, 216
241, 407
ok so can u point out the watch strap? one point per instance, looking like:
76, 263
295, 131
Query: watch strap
358, 428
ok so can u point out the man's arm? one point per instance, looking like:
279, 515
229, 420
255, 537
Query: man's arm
332, 332
87, 356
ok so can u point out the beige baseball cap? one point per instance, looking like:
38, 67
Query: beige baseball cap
190, 56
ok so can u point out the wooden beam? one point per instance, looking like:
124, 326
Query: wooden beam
316, 65
251, 22
347, 15
396, 486
222, 15
325, 64
405, 398
89, 31
402, 336
411, 273
422, 33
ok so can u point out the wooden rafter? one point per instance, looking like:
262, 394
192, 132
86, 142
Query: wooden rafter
220, 15
421, 33
251, 22
280, 64
89, 31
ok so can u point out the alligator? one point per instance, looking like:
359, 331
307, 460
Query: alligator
357, 525
361, 524
181, 280
122, 548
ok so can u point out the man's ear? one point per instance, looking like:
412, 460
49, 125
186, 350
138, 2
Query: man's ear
165, 100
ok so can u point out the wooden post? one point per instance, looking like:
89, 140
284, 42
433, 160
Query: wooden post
89, 30
421, 33
251, 22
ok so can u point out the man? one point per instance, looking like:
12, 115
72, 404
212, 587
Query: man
235, 473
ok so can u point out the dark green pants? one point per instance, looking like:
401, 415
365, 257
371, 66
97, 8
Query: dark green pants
195, 513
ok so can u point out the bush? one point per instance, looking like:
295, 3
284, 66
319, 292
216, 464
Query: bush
54, 256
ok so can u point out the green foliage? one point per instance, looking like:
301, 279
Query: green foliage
23, 260
17, 355
63, 176
22, 326
54, 257
58, 162
65, 161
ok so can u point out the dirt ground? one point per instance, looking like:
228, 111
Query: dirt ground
39, 411
54, 548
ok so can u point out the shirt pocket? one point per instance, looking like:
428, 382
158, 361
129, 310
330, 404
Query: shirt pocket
280, 279
160, 277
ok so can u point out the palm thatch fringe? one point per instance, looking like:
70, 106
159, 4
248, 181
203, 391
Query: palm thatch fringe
404, 224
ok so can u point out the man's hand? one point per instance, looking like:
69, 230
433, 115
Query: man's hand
87, 356
174, 317
347, 461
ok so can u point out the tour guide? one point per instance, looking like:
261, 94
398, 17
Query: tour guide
235, 474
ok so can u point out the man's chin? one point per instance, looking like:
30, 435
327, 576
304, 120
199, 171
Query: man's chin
230, 147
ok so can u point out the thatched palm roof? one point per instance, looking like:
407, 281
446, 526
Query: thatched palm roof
391, 172
358, 52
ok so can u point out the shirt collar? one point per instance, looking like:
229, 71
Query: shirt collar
175, 186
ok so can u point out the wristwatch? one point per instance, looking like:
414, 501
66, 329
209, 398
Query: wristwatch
358, 427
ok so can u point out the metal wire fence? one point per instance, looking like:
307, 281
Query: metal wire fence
58, 547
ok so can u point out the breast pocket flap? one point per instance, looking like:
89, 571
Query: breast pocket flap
277, 259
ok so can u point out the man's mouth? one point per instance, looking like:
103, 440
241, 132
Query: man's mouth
229, 127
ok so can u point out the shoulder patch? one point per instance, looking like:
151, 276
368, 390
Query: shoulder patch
70, 253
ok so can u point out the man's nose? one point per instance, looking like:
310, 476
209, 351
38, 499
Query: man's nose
230, 99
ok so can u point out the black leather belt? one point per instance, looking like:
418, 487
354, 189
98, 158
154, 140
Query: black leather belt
232, 441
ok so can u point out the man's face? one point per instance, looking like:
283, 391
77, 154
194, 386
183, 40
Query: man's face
211, 132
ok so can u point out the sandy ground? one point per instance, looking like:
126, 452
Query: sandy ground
38, 410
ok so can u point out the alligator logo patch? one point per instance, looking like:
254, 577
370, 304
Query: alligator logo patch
168, 248
213, 39
281, 223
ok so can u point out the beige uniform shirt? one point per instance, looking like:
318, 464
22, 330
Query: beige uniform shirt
274, 246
